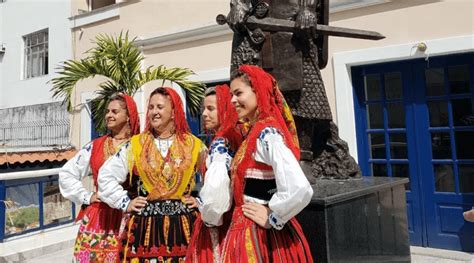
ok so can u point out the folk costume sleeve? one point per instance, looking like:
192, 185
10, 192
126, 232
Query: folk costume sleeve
216, 195
199, 170
293, 189
112, 174
71, 175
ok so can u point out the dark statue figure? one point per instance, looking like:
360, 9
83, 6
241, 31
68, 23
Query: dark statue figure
289, 39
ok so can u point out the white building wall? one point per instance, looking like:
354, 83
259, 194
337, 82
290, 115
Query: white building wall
1, 55
17, 19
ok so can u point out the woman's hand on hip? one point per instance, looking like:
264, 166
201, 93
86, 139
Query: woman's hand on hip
137, 204
94, 198
190, 202
257, 213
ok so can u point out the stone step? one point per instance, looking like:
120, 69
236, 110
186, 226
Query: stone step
434, 255
61, 256
39, 245
56, 245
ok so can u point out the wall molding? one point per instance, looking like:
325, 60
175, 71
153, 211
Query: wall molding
94, 16
183, 36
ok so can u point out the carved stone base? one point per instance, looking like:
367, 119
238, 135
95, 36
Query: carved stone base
307, 167
357, 220
328, 154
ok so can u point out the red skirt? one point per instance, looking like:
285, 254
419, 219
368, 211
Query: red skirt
206, 242
99, 231
247, 242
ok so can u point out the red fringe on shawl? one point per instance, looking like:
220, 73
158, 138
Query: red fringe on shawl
238, 179
227, 116
248, 242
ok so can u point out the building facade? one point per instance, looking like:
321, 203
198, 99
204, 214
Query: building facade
34, 129
404, 104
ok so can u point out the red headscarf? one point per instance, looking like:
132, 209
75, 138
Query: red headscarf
227, 116
181, 125
134, 120
272, 108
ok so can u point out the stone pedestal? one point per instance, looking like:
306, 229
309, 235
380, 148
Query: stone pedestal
359, 220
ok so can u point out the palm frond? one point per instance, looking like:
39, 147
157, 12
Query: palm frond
120, 60
194, 90
71, 72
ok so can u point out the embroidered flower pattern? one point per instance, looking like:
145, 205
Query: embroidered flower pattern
124, 203
275, 221
124, 148
166, 207
264, 133
95, 246
221, 147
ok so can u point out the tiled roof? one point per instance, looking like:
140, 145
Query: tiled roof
23, 157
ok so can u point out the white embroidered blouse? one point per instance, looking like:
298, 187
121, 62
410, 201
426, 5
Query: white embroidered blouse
215, 196
293, 191
71, 175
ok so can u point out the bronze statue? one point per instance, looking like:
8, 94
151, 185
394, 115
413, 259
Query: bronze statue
289, 39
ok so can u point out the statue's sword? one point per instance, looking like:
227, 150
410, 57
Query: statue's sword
269, 24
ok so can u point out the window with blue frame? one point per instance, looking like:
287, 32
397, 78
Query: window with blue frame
384, 108
34, 204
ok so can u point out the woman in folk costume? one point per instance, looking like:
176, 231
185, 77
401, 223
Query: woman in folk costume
269, 187
98, 237
220, 119
162, 162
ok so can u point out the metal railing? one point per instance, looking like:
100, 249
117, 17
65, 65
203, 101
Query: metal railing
35, 134
30, 201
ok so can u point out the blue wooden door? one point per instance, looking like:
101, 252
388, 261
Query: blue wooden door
415, 119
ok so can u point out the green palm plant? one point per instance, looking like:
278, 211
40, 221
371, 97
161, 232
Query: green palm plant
119, 59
